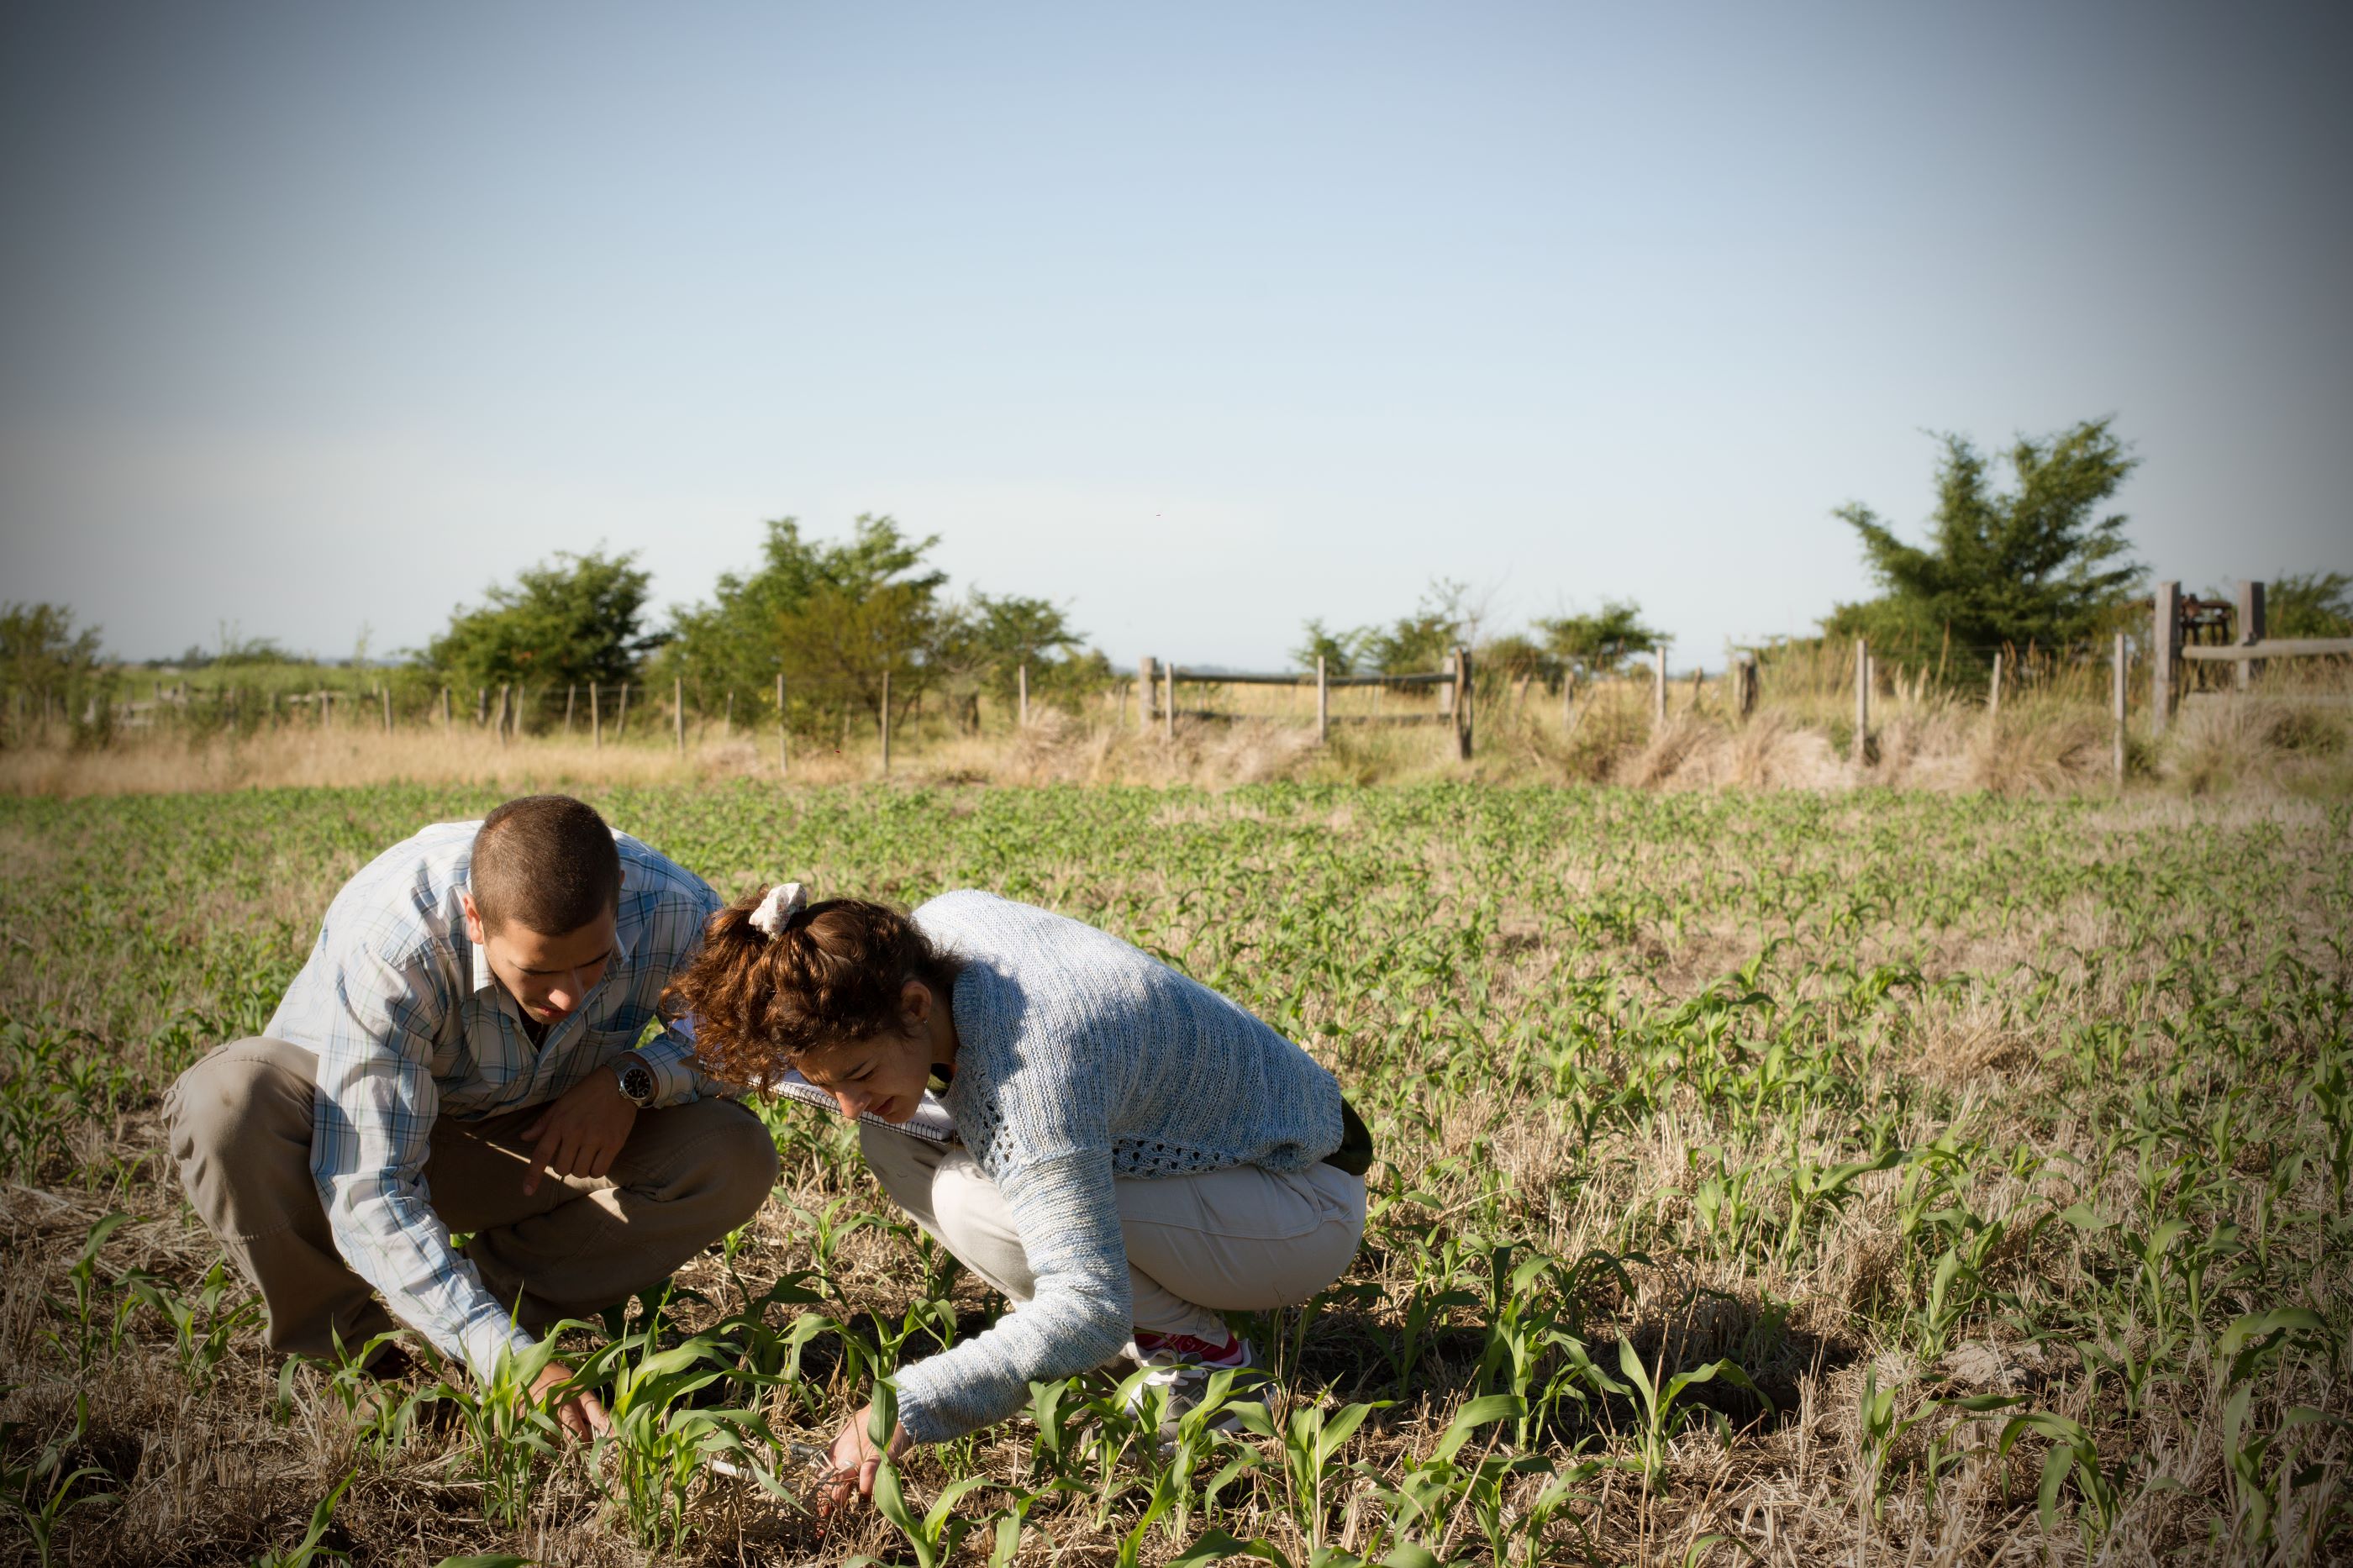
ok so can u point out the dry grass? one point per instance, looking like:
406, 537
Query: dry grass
2043, 743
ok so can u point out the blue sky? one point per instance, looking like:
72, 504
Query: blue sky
1199, 321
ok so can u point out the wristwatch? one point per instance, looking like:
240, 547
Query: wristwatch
636, 1081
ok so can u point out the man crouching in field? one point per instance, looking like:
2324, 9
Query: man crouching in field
460, 1054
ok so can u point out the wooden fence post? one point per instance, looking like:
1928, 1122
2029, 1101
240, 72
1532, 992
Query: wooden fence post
1658, 686
482, 707
1169, 703
782, 764
501, 719
386, 693
2251, 630
677, 710
571, 694
1144, 692
1322, 703
1993, 690
727, 723
1021, 697
2164, 652
886, 721
2117, 700
622, 718
596, 721
1861, 702
445, 710
1462, 704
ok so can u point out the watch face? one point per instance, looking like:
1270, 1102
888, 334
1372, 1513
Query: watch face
637, 1084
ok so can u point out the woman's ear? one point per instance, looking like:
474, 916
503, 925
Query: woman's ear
915, 1001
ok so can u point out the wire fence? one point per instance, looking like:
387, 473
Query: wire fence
1834, 682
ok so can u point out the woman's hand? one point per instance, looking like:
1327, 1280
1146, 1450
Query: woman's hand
856, 1458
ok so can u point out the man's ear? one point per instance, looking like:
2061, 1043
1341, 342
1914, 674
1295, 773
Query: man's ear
914, 1004
474, 932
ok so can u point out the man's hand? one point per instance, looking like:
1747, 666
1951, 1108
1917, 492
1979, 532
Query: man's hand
582, 1414
856, 1459
581, 1133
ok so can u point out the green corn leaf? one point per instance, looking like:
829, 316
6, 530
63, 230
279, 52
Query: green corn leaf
1478, 1413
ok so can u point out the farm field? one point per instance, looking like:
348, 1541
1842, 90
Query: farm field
1786, 1177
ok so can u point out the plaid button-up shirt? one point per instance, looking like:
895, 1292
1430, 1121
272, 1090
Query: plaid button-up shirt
410, 1024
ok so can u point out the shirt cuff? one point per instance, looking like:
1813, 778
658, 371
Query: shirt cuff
486, 1341
669, 1056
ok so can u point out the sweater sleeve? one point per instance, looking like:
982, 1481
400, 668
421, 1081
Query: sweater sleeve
1067, 1214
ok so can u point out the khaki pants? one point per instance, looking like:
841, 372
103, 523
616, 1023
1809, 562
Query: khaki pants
240, 1124
1236, 1240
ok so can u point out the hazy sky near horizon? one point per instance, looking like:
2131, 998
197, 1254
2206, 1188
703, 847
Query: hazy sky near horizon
1200, 321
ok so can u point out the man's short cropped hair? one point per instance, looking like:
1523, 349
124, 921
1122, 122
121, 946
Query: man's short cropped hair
545, 862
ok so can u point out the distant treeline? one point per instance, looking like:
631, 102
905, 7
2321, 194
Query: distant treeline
2039, 565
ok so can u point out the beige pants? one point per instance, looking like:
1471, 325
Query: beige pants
1236, 1240
239, 1123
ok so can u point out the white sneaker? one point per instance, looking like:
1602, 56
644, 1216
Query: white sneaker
1182, 1367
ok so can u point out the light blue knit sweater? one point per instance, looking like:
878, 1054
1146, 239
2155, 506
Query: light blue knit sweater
1079, 1057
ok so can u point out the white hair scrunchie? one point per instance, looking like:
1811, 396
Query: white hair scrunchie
785, 900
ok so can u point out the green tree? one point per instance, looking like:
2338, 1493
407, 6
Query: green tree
833, 616
49, 665
1600, 643
1412, 644
575, 619
994, 636
2035, 566
2309, 604
1339, 650
1515, 656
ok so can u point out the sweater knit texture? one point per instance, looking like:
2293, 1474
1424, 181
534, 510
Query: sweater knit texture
1078, 1059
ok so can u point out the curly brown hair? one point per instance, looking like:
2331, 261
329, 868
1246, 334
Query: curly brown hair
833, 976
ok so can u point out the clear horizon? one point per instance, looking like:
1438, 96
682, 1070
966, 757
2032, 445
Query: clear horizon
1200, 327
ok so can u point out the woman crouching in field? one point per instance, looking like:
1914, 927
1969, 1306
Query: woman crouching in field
1138, 1152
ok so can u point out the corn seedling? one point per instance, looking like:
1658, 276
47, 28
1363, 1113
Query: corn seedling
40, 1492
311, 1548
201, 1329
1663, 1413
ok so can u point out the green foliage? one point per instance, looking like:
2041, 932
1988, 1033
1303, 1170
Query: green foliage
2036, 565
204, 1322
45, 662
2309, 604
661, 1445
311, 1548
573, 620
40, 1491
1339, 650
1442, 618
1663, 1410
835, 616
2140, 1206
1600, 643
989, 638
510, 1432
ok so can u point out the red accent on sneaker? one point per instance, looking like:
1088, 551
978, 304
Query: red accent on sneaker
1227, 1354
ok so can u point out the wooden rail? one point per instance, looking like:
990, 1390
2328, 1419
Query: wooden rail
1156, 684
2248, 651
2275, 648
